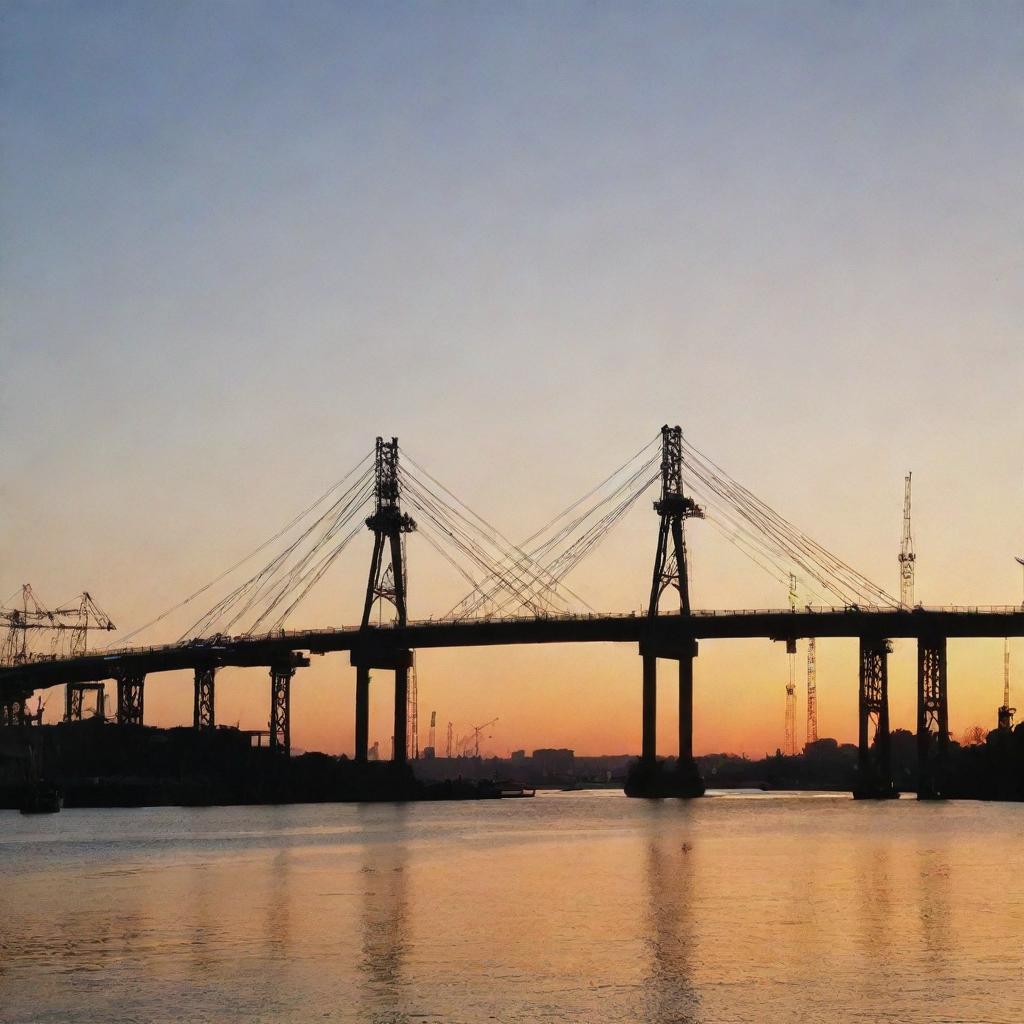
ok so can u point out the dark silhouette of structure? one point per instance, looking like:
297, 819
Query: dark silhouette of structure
534, 578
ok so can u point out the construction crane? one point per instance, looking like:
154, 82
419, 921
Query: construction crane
1006, 713
812, 690
907, 557
68, 624
413, 711
475, 740
431, 750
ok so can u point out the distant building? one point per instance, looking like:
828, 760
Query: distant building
554, 761
518, 755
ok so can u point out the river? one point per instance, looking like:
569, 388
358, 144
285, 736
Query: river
580, 907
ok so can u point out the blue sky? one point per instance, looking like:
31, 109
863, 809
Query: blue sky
240, 240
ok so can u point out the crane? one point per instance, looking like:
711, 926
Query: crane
812, 690
413, 712
477, 729
907, 557
70, 623
1006, 713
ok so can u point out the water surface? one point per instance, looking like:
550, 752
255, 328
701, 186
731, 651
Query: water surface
569, 907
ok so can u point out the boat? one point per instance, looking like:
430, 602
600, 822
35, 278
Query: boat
514, 792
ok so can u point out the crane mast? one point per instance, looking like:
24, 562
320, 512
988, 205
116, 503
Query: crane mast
907, 557
1006, 713
812, 690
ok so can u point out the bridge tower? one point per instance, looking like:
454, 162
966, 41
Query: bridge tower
670, 571
874, 764
932, 718
386, 585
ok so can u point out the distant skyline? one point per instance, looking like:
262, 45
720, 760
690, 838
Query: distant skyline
239, 241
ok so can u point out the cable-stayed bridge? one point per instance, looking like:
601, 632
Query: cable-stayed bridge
517, 593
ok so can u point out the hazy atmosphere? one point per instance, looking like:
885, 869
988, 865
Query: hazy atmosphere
242, 240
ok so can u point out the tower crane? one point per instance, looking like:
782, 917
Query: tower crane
812, 690
907, 557
69, 624
1006, 713
432, 736
477, 729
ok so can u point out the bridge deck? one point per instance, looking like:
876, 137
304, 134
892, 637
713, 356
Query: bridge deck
667, 630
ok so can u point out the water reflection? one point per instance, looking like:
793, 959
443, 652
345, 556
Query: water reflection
383, 923
670, 996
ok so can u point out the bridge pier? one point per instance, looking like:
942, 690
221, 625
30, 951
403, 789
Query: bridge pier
362, 712
648, 777
649, 721
281, 707
130, 695
202, 701
932, 718
74, 700
401, 733
874, 765
399, 662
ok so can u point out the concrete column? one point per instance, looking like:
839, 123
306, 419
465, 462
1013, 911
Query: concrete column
362, 712
685, 709
401, 733
649, 743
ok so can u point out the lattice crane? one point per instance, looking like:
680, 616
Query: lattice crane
68, 625
907, 556
1006, 713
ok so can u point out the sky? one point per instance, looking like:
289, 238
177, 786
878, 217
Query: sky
239, 240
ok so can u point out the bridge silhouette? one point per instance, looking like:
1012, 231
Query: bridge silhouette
530, 577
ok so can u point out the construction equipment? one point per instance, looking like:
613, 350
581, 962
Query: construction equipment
907, 557
413, 703
68, 625
431, 750
475, 741
448, 745
1006, 713
812, 691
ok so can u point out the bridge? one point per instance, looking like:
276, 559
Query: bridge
531, 577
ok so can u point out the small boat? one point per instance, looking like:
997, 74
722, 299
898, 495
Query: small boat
41, 800
513, 792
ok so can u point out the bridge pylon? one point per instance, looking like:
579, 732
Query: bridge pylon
874, 761
387, 583
932, 718
670, 571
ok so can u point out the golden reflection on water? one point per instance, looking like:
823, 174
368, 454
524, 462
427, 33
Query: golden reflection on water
570, 907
